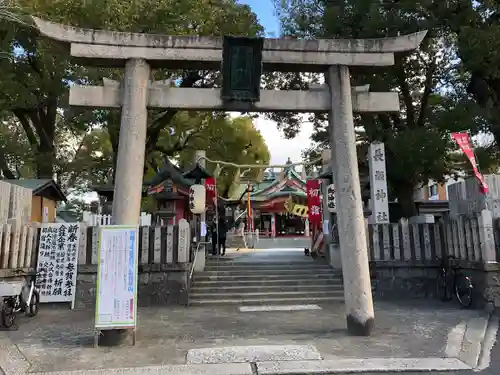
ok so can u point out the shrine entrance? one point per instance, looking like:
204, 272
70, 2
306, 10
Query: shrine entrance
139, 53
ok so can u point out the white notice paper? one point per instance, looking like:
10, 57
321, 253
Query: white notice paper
203, 229
116, 305
57, 261
326, 224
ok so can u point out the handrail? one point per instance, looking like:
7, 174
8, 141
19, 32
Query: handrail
194, 260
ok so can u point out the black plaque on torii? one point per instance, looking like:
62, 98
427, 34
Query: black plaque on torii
241, 69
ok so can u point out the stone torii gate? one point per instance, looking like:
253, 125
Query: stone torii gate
139, 53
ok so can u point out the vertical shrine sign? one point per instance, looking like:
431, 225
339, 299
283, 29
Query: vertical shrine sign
330, 198
314, 201
116, 296
57, 262
378, 183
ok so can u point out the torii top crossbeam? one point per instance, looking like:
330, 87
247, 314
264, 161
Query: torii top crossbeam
111, 48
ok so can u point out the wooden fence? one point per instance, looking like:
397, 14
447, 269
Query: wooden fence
15, 202
18, 245
412, 243
92, 219
424, 243
157, 245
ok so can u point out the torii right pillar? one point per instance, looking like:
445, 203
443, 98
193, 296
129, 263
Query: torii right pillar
351, 224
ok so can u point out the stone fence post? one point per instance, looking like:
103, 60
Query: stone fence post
488, 253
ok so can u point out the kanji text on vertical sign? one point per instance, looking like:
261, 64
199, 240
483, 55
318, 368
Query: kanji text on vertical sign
314, 201
378, 183
462, 139
57, 262
330, 198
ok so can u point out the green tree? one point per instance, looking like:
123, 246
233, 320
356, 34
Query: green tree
81, 160
234, 140
478, 48
34, 83
16, 157
430, 83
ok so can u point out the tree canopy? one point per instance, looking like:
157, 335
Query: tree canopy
233, 140
35, 80
431, 82
41, 136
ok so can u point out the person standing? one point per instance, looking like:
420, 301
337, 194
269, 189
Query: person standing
222, 236
213, 231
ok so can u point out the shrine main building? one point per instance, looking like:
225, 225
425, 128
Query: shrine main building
269, 199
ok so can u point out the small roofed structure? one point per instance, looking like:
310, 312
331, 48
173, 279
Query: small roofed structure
45, 196
197, 174
170, 190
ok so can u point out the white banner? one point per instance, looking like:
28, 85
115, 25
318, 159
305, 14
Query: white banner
378, 184
116, 305
57, 262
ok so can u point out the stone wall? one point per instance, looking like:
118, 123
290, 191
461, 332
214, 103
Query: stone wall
401, 280
158, 286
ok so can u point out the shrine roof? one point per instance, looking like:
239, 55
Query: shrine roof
269, 188
169, 171
43, 187
109, 190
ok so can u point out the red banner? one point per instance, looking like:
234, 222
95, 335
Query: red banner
462, 139
211, 189
314, 201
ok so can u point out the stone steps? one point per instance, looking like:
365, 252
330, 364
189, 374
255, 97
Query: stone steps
258, 277
228, 283
267, 272
248, 267
247, 301
264, 289
265, 282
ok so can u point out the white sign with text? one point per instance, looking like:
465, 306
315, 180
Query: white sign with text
378, 184
57, 262
116, 305
330, 198
183, 241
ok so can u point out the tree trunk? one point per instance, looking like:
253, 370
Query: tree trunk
45, 160
113, 127
39, 125
4, 168
406, 201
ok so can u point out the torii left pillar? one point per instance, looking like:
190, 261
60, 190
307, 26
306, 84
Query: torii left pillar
132, 144
131, 156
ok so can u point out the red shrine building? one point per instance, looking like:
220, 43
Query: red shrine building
268, 203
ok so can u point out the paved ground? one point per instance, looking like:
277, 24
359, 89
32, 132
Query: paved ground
283, 242
415, 332
59, 339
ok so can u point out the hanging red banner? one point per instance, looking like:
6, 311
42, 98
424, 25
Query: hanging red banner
211, 189
462, 139
314, 201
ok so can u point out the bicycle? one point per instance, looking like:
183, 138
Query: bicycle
14, 304
450, 280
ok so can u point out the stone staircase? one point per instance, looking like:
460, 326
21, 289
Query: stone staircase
265, 282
